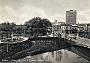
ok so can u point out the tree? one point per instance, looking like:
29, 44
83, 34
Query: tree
6, 26
6, 29
38, 26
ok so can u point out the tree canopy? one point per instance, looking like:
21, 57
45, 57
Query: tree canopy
38, 26
6, 26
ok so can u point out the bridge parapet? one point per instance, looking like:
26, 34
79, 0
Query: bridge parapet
46, 40
82, 42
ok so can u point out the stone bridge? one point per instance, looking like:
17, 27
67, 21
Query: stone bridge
39, 45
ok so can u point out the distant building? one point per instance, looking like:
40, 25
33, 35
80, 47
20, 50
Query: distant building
75, 27
57, 23
56, 27
66, 28
71, 17
88, 27
83, 26
83, 30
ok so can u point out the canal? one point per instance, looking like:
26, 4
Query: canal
59, 56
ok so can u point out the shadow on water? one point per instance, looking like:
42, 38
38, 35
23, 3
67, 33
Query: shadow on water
82, 51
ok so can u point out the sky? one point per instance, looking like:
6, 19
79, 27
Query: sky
20, 11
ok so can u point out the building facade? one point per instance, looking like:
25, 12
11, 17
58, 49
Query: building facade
66, 29
56, 27
71, 17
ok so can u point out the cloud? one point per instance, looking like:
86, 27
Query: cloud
20, 16
84, 16
26, 13
58, 17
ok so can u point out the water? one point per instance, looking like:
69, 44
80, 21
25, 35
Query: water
60, 56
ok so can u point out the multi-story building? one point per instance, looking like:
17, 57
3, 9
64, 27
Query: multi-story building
66, 28
85, 31
56, 27
71, 17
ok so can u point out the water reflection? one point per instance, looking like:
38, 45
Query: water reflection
60, 56
66, 54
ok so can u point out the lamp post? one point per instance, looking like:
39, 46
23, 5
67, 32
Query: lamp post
7, 46
77, 32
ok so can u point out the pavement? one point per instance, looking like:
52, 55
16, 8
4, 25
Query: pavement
82, 41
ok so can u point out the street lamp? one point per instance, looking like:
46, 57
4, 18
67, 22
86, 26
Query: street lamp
7, 46
77, 32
